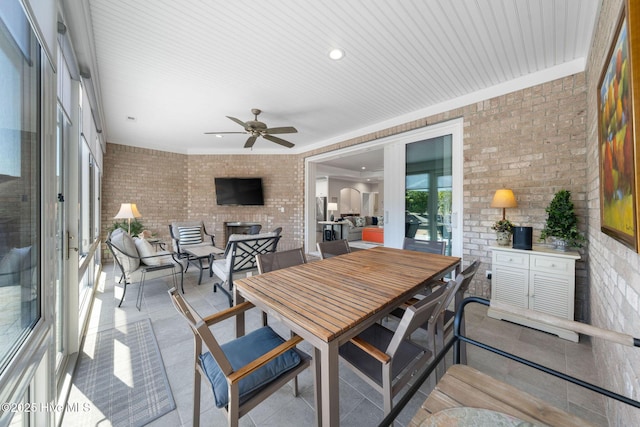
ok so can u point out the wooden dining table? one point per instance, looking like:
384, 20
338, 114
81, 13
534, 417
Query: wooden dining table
328, 302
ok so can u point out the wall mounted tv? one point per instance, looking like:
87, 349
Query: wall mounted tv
239, 191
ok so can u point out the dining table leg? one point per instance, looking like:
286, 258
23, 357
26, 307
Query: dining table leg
329, 385
240, 316
317, 389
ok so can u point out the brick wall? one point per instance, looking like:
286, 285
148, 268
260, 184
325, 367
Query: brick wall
153, 180
614, 269
168, 187
283, 186
532, 141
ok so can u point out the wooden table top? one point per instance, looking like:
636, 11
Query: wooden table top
464, 386
333, 295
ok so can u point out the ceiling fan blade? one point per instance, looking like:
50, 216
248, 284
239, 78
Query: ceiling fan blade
250, 142
278, 140
220, 133
286, 129
238, 121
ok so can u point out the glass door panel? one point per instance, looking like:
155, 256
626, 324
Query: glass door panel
428, 190
61, 236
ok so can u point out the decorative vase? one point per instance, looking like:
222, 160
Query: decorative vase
560, 244
503, 238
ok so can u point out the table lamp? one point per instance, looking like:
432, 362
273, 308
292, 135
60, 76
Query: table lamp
128, 211
504, 198
332, 207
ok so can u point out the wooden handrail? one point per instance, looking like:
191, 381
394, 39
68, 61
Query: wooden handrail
571, 325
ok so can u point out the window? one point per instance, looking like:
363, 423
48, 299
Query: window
19, 180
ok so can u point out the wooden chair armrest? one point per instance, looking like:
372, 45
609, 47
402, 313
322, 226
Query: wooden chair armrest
374, 352
249, 368
228, 313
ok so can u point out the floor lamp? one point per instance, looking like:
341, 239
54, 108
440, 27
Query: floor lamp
128, 211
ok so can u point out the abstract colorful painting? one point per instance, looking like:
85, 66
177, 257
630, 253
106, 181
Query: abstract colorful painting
617, 142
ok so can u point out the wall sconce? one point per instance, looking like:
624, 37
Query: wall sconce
128, 211
504, 198
332, 207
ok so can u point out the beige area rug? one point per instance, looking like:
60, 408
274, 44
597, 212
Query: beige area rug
120, 379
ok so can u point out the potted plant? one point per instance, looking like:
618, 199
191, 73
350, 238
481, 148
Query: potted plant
136, 227
503, 229
562, 222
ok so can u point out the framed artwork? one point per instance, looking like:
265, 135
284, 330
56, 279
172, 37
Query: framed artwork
617, 135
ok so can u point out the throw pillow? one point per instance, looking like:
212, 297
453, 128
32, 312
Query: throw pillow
161, 257
126, 250
148, 255
240, 352
190, 235
145, 249
374, 220
360, 221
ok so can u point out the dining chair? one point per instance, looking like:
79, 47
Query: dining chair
333, 248
276, 260
387, 359
449, 315
244, 371
429, 246
446, 322
281, 259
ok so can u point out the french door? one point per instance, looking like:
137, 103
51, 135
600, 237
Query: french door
63, 128
423, 186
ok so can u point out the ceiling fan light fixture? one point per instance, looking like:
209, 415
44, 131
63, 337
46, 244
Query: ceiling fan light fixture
336, 54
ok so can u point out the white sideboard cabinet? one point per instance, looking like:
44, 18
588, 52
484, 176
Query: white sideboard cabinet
541, 279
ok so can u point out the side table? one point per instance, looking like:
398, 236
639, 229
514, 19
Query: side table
328, 226
202, 257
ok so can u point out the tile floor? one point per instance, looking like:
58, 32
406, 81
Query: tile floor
359, 404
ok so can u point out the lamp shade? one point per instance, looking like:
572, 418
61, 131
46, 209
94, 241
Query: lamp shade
332, 207
128, 211
504, 198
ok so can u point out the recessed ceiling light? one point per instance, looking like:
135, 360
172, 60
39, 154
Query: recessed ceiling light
219, 136
364, 167
336, 54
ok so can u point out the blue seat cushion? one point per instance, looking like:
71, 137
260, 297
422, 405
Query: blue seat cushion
242, 351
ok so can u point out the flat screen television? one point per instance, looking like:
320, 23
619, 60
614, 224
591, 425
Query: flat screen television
239, 191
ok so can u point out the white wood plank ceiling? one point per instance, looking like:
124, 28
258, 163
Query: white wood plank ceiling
179, 67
